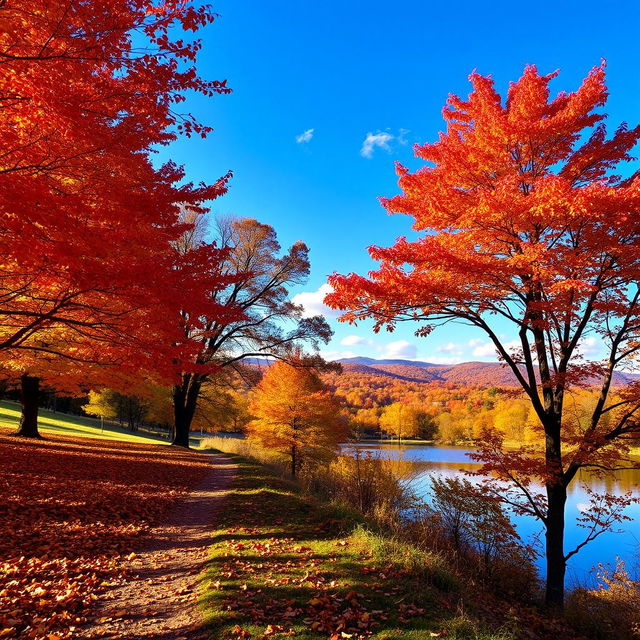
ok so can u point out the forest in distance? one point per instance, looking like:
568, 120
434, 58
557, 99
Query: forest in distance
399, 400
377, 401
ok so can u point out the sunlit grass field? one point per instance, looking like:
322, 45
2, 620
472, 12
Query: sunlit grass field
68, 425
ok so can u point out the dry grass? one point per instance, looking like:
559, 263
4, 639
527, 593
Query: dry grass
245, 448
610, 612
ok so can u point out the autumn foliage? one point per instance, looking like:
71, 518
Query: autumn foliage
522, 215
248, 313
295, 415
66, 533
86, 92
109, 280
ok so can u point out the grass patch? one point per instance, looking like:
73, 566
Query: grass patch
78, 426
283, 566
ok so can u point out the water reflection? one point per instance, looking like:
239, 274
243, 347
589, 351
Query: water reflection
416, 463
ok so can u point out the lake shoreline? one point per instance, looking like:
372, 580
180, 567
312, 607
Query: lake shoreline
451, 461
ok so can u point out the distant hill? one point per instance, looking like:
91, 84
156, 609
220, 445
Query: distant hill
373, 361
487, 374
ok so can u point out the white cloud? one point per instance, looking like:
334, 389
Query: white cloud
337, 355
589, 347
356, 341
482, 349
313, 302
400, 349
516, 345
486, 349
450, 347
381, 139
305, 136
402, 136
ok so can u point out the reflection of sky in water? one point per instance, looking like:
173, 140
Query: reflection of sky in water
449, 461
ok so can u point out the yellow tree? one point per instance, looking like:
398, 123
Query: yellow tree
109, 403
400, 420
101, 404
365, 419
295, 415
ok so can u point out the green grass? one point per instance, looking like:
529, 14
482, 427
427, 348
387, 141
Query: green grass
283, 565
78, 426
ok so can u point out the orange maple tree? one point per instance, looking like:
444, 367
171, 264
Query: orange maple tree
522, 220
295, 415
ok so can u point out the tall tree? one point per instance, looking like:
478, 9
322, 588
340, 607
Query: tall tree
296, 416
87, 219
75, 154
261, 320
523, 220
400, 419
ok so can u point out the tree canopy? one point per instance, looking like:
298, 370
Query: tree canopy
296, 415
522, 218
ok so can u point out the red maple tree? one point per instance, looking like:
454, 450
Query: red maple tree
86, 92
522, 220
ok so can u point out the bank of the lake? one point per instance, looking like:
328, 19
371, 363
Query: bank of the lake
423, 460
286, 565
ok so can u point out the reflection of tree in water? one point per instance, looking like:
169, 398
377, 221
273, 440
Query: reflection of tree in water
416, 474
624, 480
403, 456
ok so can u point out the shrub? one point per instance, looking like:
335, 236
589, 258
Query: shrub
612, 610
365, 483
476, 527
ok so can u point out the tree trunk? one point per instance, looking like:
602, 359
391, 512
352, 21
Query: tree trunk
30, 389
294, 460
556, 564
182, 426
185, 401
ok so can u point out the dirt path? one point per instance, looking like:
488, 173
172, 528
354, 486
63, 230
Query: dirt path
160, 600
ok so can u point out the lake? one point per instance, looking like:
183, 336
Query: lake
450, 461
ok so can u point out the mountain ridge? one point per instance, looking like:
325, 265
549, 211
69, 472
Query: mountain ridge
475, 372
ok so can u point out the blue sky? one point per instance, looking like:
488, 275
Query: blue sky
344, 72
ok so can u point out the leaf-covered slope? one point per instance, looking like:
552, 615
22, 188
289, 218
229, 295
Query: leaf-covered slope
465, 374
